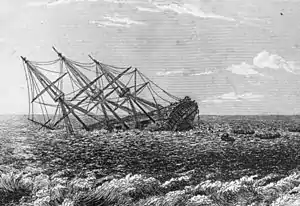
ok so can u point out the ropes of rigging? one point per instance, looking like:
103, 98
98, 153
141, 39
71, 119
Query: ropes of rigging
112, 66
129, 79
76, 72
45, 62
46, 104
83, 67
35, 81
28, 89
47, 70
72, 84
43, 108
32, 92
38, 91
81, 63
118, 98
152, 90
123, 101
148, 107
73, 81
110, 69
170, 95
87, 66
117, 72
72, 92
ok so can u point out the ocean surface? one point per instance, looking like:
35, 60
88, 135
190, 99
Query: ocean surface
178, 166
16, 128
14, 131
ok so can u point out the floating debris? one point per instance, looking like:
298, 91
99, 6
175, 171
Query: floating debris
226, 137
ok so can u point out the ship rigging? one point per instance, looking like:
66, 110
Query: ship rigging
96, 95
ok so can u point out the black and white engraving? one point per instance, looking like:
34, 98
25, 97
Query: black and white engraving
149, 103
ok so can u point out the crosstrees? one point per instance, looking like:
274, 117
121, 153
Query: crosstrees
86, 87
98, 94
126, 92
46, 88
53, 91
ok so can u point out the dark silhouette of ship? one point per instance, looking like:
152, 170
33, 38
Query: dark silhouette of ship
100, 96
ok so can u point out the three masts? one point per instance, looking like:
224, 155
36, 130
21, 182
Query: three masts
101, 96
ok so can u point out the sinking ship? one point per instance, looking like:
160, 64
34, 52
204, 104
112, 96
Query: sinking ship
65, 93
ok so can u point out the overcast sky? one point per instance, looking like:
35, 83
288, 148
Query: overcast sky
233, 57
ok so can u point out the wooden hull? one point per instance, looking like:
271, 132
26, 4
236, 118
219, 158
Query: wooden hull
177, 117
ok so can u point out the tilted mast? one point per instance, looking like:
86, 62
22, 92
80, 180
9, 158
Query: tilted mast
96, 94
125, 92
107, 94
52, 90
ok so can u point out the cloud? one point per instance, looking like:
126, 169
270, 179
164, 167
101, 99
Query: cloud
107, 23
120, 20
122, 1
185, 72
202, 73
233, 97
244, 69
51, 3
115, 21
58, 2
262, 60
168, 73
273, 61
190, 9
145, 9
55, 2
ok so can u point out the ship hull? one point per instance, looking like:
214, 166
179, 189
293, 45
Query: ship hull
178, 116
